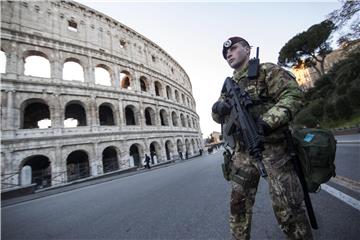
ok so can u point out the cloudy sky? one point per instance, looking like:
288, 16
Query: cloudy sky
193, 32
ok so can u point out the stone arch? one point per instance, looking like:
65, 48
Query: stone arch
103, 75
73, 70
188, 121
40, 172
182, 118
168, 92
169, 149
3, 61
164, 119
125, 79
149, 116
110, 159
188, 148
175, 119
75, 114
77, 165
180, 148
144, 84
155, 152
131, 115
106, 114
32, 60
183, 99
158, 89
136, 154
177, 97
194, 147
35, 113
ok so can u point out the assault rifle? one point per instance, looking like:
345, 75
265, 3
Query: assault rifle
240, 124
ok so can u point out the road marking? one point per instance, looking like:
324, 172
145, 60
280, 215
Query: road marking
342, 196
347, 183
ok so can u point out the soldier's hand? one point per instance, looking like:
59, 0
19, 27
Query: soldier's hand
262, 127
221, 108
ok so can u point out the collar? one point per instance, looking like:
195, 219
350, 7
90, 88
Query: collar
239, 74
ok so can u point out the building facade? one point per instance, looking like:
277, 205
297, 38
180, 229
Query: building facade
64, 127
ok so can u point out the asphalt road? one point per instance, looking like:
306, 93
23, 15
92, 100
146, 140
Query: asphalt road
188, 200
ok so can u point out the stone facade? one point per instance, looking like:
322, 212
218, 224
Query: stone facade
147, 109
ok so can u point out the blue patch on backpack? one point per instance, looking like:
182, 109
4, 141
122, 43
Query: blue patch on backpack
309, 137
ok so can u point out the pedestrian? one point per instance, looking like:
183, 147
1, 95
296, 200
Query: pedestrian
186, 155
147, 161
181, 155
277, 98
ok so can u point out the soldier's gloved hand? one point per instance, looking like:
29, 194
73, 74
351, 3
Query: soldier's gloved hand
262, 127
221, 108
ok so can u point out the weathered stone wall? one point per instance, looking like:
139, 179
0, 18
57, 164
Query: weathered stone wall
42, 28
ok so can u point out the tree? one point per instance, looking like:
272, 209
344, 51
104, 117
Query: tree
343, 16
309, 47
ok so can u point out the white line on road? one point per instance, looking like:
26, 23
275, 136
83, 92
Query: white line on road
342, 196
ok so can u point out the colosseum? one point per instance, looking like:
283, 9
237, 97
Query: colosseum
102, 96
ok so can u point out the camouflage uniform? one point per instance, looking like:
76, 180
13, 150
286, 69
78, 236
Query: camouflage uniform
277, 97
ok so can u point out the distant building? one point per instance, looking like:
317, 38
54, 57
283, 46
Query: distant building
306, 77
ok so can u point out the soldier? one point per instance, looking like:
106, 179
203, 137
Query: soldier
277, 98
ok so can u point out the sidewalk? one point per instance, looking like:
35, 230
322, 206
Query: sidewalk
88, 182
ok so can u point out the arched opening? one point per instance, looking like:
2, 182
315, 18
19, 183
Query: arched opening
125, 79
174, 119
36, 169
102, 75
75, 115
110, 159
195, 149
155, 152
164, 118
36, 114
143, 84
183, 123
187, 148
2, 62
188, 102
194, 124
130, 115
106, 115
180, 149
77, 165
177, 98
188, 121
149, 116
36, 64
183, 98
169, 149
158, 88
135, 155
72, 70
168, 92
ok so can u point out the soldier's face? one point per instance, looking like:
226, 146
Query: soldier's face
237, 55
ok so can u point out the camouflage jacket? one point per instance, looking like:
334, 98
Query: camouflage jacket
276, 96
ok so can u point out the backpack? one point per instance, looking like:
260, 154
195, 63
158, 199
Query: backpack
316, 150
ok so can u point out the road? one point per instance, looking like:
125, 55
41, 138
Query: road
187, 200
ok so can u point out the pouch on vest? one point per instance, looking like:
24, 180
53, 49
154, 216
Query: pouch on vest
316, 150
226, 166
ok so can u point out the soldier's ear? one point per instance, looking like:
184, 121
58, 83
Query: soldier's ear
248, 50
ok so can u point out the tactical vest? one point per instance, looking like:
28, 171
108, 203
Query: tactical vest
258, 92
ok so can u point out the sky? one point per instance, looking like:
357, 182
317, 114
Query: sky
192, 32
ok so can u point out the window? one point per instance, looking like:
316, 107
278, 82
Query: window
72, 26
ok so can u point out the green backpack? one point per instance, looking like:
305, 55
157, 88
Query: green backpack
316, 150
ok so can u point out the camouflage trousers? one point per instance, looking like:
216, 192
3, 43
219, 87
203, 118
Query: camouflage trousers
285, 190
